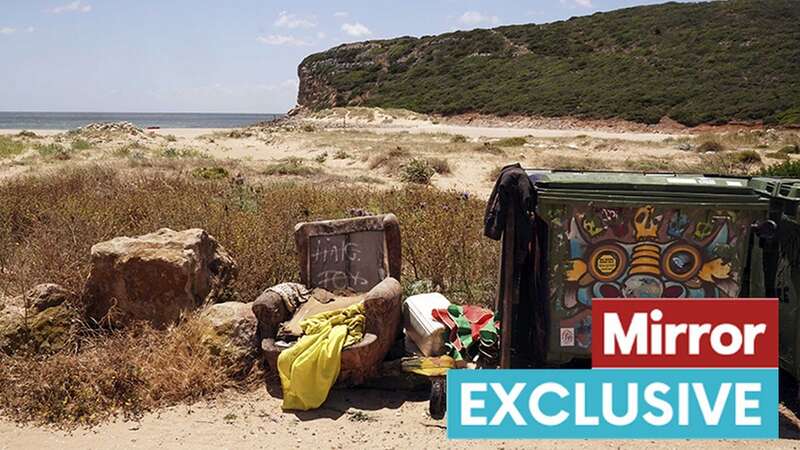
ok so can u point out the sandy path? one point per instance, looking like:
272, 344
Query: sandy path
504, 132
363, 418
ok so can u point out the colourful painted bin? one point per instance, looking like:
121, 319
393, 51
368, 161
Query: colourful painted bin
629, 235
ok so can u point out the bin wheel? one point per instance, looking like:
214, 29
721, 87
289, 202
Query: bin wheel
438, 402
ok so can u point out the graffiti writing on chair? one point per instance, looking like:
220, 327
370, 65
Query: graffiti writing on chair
347, 261
643, 252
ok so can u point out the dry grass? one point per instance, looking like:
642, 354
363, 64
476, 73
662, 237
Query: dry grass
48, 224
10, 147
390, 160
440, 165
125, 373
291, 166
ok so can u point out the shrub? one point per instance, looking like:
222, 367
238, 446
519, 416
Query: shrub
511, 142
291, 166
417, 171
10, 147
321, 158
171, 138
778, 155
458, 139
341, 154
54, 151
490, 148
440, 165
189, 153
710, 147
125, 373
390, 159
210, 173
747, 157
80, 145
789, 169
790, 149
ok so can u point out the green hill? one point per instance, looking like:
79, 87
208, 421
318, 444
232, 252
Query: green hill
716, 62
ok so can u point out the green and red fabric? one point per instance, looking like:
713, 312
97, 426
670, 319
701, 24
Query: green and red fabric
467, 324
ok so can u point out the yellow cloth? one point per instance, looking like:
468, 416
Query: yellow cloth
429, 366
309, 368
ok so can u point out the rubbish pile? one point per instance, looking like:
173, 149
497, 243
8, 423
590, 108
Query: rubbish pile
342, 324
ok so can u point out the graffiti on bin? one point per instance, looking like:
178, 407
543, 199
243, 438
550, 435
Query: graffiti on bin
641, 252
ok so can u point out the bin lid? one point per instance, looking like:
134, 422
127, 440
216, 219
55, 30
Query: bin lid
638, 181
783, 188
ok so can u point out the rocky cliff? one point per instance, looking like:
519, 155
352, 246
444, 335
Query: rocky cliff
716, 62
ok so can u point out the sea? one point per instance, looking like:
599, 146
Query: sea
10, 120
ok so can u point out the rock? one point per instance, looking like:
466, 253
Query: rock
47, 295
12, 328
229, 331
157, 277
42, 332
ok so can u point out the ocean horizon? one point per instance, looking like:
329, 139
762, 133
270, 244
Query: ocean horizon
22, 120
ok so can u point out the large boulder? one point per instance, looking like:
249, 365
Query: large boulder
157, 277
229, 331
43, 320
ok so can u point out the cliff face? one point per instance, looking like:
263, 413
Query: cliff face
735, 60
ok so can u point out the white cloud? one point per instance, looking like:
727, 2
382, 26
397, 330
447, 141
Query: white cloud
341, 14
291, 21
76, 6
321, 35
476, 18
7, 30
583, 3
356, 29
277, 39
30, 29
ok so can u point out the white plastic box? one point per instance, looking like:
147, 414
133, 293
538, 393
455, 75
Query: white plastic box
428, 334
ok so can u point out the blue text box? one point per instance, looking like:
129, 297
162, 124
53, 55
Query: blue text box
473, 402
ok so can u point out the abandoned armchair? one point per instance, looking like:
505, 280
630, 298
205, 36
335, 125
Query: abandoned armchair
345, 265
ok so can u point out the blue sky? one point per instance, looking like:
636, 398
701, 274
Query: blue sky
212, 56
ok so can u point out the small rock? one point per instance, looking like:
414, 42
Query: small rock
230, 333
47, 295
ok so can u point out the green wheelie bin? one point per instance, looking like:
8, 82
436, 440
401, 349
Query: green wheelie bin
782, 264
629, 235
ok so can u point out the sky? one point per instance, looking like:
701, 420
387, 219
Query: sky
213, 56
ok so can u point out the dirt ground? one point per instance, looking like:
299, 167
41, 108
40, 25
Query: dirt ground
353, 418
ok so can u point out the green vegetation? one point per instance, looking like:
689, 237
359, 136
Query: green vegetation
417, 171
458, 139
511, 142
707, 62
54, 151
170, 152
80, 145
10, 147
784, 169
291, 166
210, 173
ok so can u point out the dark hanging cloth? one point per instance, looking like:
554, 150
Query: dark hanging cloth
513, 189
514, 199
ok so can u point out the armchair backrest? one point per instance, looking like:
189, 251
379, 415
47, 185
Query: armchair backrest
349, 254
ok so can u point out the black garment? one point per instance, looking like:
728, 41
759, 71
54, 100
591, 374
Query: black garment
513, 189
